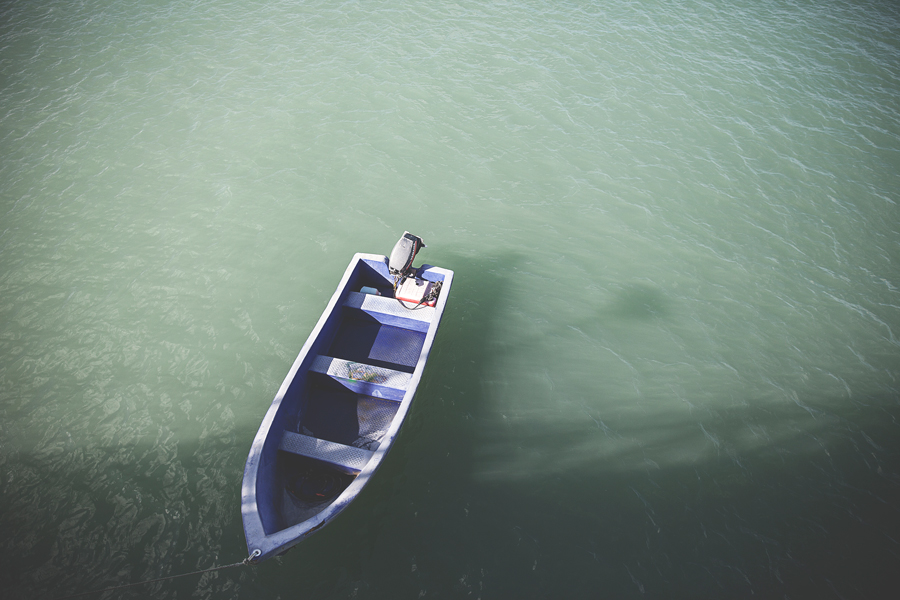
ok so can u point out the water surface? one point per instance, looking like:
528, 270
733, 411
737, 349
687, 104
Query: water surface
669, 367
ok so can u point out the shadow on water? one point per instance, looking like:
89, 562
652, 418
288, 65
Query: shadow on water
636, 301
81, 518
812, 514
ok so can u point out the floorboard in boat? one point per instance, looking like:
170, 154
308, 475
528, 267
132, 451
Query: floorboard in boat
339, 415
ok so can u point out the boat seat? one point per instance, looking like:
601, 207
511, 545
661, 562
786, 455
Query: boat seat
388, 311
345, 458
362, 378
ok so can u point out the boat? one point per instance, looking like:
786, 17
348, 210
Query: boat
341, 406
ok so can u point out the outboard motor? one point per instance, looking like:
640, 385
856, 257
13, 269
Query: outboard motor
403, 254
409, 286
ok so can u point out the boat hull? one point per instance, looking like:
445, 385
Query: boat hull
340, 407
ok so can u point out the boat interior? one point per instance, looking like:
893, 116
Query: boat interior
345, 396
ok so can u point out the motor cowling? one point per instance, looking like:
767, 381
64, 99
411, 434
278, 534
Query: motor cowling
404, 253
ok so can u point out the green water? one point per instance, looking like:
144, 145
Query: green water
670, 364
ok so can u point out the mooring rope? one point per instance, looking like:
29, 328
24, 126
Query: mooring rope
246, 561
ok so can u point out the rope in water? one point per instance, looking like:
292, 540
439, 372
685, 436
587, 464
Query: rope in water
246, 561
